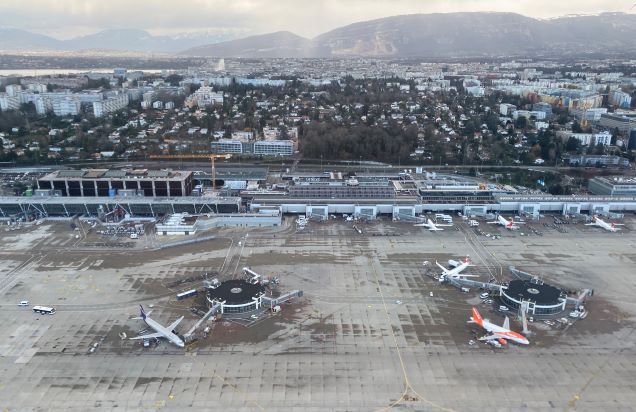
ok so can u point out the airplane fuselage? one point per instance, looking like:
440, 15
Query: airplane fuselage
500, 333
506, 333
168, 334
603, 224
508, 224
431, 225
455, 272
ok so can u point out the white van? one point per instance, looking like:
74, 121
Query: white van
23, 303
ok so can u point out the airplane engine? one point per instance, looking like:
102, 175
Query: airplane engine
502, 341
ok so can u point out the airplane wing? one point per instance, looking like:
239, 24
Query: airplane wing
444, 270
174, 324
492, 336
148, 336
590, 224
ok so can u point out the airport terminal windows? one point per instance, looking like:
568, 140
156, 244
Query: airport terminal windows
103, 182
240, 308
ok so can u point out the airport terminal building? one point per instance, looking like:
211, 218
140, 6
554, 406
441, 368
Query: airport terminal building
400, 196
107, 182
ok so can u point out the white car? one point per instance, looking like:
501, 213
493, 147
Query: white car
23, 303
484, 295
503, 308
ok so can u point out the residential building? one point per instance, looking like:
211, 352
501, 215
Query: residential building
66, 106
110, 105
274, 148
591, 115
242, 136
204, 96
8, 102
13, 89
259, 148
593, 160
587, 139
271, 133
227, 146
528, 114
622, 121
543, 107
603, 138
620, 99
37, 87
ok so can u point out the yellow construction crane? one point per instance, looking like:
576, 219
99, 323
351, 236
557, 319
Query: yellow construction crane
211, 156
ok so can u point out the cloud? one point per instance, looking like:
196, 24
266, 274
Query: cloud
66, 18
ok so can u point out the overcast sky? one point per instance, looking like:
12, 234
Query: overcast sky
68, 18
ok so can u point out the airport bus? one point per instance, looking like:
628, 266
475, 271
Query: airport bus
187, 294
44, 310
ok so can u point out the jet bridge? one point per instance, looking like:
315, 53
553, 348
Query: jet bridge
466, 283
188, 336
281, 299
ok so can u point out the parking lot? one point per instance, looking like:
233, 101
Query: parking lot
367, 335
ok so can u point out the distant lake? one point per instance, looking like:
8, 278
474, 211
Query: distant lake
49, 72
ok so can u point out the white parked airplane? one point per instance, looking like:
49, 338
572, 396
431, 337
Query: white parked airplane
160, 331
501, 334
597, 221
431, 225
455, 273
508, 224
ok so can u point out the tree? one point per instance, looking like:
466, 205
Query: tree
173, 79
556, 189
521, 122
572, 144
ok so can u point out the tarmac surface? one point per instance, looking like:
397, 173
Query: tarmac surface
366, 336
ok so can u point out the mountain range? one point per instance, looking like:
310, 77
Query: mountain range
112, 39
472, 34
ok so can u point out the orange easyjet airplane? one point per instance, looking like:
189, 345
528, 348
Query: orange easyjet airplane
499, 333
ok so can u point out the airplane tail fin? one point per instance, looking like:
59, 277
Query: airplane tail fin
477, 317
506, 324
142, 313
